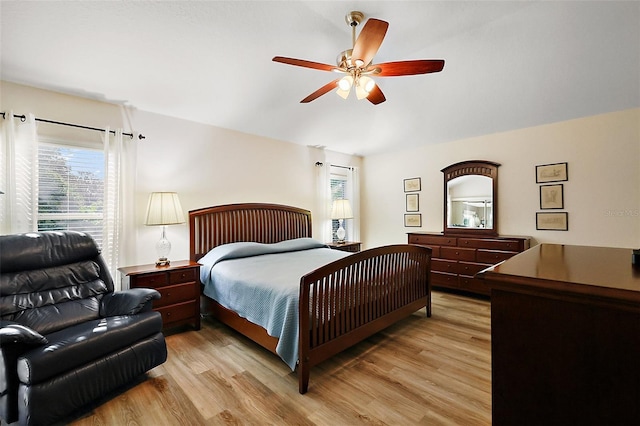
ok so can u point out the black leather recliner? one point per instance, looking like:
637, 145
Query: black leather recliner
66, 338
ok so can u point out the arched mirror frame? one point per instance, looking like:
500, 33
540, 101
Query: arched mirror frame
478, 168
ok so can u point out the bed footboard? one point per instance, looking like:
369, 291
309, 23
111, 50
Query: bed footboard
346, 301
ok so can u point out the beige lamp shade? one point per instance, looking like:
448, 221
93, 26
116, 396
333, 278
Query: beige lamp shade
341, 209
164, 209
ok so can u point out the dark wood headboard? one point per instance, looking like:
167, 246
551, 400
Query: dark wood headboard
210, 227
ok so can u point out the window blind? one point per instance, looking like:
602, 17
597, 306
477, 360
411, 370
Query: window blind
70, 189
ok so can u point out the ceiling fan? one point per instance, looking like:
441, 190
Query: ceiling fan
357, 66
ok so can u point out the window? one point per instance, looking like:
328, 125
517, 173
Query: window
70, 189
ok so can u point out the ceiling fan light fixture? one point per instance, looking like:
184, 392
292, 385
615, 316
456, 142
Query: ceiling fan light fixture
367, 83
345, 83
344, 94
361, 93
364, 86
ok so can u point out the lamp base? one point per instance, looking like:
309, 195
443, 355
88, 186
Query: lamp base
163, 261
163, 247
341, 233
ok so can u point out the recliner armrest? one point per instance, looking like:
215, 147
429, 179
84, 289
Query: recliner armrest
12, 332
128, 302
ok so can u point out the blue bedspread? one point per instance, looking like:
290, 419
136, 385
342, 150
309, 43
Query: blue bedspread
261, 282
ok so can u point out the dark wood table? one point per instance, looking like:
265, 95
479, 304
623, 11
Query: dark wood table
565, 336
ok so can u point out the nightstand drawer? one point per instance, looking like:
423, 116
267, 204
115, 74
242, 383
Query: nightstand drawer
182, 276
182, 312
176, 293
153, 280
349, 246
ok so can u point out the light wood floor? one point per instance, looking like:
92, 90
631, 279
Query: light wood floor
420, 371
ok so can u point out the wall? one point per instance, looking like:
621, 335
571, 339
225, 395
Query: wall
602, 195
206, 165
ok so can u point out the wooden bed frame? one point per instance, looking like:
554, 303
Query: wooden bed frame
344, 302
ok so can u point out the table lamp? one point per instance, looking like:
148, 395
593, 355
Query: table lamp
341, 210
164, 209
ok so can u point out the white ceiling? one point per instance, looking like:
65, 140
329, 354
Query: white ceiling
508, 65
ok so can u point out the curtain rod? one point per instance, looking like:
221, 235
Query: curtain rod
320, 164
23, 118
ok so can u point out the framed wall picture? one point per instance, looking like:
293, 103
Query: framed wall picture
552, 173
413, 202
548, 221
413, 220
552, 196
412, 185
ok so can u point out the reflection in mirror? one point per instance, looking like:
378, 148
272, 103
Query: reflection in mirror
471, 198
470, 202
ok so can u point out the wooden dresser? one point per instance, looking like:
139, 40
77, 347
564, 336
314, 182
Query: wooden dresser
565, 337
456, 259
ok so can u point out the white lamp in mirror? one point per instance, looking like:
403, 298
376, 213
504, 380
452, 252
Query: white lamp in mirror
164, 209
341, 210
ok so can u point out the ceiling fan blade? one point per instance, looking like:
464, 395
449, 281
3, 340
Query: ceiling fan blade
376, 96
305, 64
321, 91
399, 68
369, 40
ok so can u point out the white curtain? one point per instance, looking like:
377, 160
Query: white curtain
119, 213
353, 195
18, 181
322, 217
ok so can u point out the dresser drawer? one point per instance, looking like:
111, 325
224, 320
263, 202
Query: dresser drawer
504, 245
157, 279
182, 276
469, 269
442, 265
181, 312
475, 285
172, 294
457, 253
428, 240
443, 279
493, 256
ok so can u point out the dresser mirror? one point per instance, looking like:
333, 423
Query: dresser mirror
470, 198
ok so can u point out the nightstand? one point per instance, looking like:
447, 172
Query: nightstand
350, 246
179, 286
